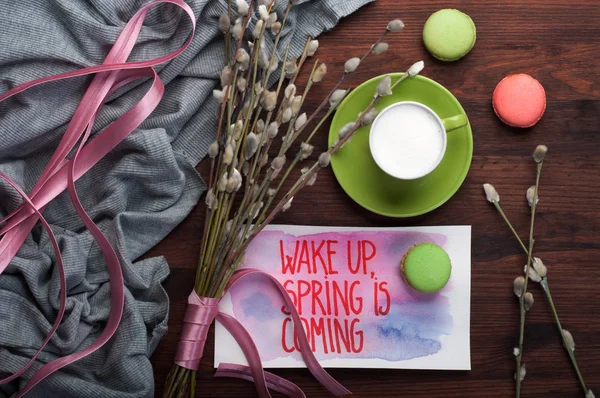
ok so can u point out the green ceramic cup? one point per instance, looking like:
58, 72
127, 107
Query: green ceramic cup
446, 124
369, 186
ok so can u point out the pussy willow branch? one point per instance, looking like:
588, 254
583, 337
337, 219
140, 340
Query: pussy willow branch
383, 35
308, 86
209, 213
230, 197
290, 134
267, 180
239, 236
258, 157
225, 198
548, 294
523, 311
280, 109
265, 79
240, 214
341, 80
233, 101
497, 206
244, 208
238, 219
570, 352
335, 147
303, 58
235, 231
297, 159
180, 378
276, 43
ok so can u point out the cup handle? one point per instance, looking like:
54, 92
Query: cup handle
455, 122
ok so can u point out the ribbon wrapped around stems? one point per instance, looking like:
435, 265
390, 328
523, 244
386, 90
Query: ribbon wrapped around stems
61, 173
199, 315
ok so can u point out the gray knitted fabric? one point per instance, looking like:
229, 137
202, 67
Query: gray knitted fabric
137, 194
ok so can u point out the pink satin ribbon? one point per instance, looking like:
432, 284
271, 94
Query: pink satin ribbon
61, 173
199, 316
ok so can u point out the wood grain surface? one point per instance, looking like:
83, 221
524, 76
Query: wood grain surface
556, 41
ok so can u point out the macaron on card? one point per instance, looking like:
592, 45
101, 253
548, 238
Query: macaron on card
354, 302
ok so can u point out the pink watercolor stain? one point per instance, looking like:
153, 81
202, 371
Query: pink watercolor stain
349, 293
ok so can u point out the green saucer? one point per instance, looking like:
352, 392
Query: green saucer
371, 187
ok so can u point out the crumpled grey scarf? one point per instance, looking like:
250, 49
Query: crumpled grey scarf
137, 194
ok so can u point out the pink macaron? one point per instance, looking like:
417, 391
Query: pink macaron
519, 100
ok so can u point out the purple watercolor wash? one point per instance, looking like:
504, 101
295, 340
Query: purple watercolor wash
330, 273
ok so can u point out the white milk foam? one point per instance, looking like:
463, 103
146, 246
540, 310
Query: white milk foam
407, 141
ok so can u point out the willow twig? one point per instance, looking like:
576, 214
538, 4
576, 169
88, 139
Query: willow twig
539, 271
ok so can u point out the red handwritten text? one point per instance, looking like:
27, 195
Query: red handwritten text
361, 256
308, 255
330, 309
334, 335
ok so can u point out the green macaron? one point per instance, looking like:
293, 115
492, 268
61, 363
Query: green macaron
449, 34
426, 267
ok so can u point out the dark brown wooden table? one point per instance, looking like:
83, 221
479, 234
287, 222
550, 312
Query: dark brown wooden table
556, 41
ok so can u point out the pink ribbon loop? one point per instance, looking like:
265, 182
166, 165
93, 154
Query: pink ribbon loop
187, 350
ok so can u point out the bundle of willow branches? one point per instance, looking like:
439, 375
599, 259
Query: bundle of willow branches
253, 118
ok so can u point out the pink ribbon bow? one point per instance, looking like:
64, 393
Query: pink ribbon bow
200, 314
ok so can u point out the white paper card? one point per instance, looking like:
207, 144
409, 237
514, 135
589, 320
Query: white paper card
357, 310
